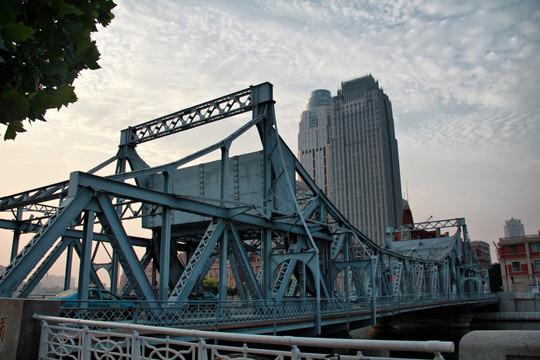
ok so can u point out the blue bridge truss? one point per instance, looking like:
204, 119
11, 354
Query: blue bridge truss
242, 217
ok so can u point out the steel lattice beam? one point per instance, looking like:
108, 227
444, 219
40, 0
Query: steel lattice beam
213, 110
46, 193
34, 251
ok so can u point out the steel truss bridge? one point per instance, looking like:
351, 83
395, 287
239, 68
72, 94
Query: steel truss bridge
294, 253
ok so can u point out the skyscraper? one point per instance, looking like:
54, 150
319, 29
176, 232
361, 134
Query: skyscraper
513, 228
362, 164
364, 157
313, 138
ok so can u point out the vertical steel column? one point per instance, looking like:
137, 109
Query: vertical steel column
261, 98
223, 246
457, 264
120, 168
165, 251
374, 268
347, 268
223, 266
224, 172
16, 235
69, 261
114, 272
266, 241
86, 257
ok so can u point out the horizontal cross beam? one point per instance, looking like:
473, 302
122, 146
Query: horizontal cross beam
428, 225
34, 196
229, 105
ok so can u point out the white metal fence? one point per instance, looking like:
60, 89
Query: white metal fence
76, 339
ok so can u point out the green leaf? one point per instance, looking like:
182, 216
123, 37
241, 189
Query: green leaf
65, 95
63, 9
18, 32
13, 105
13, 128
76, 10
42, 101
13, 109
82, 41
91, 57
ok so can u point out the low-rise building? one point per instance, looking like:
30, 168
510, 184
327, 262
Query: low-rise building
481, 249
520, 263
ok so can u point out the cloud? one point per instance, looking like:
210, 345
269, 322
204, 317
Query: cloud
462, 78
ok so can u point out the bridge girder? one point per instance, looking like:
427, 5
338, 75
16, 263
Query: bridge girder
310, 244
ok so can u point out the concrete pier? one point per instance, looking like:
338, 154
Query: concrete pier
19, 332
500, 345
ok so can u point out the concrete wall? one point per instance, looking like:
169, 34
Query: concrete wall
500, 345
19, 332
519, 302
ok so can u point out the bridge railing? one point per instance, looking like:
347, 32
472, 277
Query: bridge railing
85, 339
195, 313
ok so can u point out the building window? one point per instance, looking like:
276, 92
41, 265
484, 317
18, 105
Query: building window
536, 265
516, 266
535, 247
513, 249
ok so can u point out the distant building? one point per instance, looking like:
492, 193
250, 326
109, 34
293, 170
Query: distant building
481, 249
254, 260
513, 228
350, 150
150, 275
365, 164
313, 138
520, 263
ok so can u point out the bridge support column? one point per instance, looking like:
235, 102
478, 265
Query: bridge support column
223, 266
86, 257
16, 236
114, 272
165, 246
69, 259
373, 292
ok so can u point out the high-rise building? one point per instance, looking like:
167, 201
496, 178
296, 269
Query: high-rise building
513, 228
313, 138
361, 166
364, 157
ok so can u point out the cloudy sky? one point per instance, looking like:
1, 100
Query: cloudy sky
462, 76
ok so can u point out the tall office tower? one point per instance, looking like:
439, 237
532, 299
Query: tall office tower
313, 138
364, 157
513, 228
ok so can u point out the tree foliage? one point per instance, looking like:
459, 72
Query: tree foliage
44, 44
495, 277
210, 285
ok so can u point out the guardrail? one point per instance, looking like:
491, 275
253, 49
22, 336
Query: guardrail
63, 338
211, 313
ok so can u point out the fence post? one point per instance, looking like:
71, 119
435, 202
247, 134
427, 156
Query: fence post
43, 340
203, 354
135, 346
295, 353
86, 344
